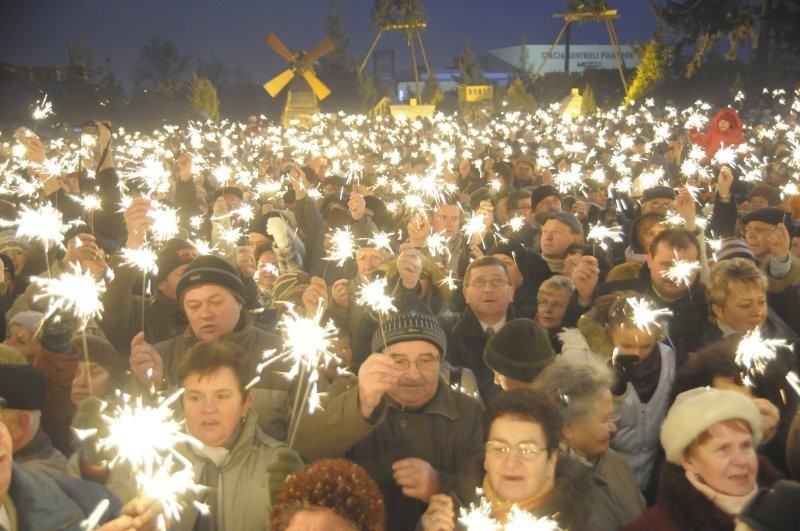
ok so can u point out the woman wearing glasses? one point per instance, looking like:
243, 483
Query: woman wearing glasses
524, 468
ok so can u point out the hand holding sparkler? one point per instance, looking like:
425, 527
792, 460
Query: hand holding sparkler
316, 294
770, 415
245, 260
297, 178
35, 152
779, 242
623, 365
279, 230
409, 265
585, 276
724, 183
138, 221
146, 364
684, 206
139, 514
340, 293
82, 248
580, 210
185, 166
440, 514
418, 229
356, 205
376, 376
89, 427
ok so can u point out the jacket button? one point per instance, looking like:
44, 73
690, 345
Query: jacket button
403, 423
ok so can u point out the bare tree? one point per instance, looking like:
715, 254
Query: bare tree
160, 63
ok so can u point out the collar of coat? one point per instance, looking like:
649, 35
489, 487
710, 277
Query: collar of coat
444, 403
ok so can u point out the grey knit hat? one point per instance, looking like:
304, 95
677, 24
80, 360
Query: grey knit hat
409, 327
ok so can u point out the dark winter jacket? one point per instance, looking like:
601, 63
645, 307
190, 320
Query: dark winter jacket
681, 507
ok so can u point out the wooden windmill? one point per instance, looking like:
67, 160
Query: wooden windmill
301, 100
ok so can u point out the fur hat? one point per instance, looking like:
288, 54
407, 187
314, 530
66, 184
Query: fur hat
734, 248
519, 350
174, 254
9, 239
540, 192
409, 326
28, 319
210, 269
771, 194
696, 410
22, 386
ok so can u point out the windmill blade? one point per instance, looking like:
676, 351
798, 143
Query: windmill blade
276, 84
317, 86
325, 46
276, 44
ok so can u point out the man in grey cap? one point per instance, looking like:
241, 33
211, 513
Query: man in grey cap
429, 435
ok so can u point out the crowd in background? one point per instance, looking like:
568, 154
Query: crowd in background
590, 319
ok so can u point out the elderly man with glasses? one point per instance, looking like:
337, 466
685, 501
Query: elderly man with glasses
429, 437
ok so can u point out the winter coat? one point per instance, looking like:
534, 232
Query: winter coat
713, 139
465, 349
243, 494
639, 425
328, 432
447, 433
39, 499
681, 507
122, 317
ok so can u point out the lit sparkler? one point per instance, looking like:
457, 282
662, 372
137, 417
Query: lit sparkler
681, 272
644, 315
601, 235
343, 246
43, 109
754, 352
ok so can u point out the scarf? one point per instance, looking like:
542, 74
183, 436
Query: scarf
501, 507
646, 375
731, 505
556, 265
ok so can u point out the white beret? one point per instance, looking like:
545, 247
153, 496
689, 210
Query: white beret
696, 410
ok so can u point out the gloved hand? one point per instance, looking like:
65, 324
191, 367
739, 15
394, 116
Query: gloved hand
279, 230
56, 335
623, 365
89, 427
284, 462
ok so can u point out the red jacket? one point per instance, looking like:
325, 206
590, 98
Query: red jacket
713, 139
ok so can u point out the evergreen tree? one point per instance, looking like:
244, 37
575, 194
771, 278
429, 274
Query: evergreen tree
203, 97
518, 98
524, 58
588, 103
654, 62
431, 93
160, 64
470, 69
339, 60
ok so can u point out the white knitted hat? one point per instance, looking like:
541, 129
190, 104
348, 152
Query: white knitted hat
696, 410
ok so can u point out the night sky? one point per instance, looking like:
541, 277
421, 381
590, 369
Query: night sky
35, 32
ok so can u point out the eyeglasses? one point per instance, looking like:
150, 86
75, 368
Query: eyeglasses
495, 282
423, 363
526, 451
758, 230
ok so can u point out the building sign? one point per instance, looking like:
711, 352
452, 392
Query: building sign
581, 57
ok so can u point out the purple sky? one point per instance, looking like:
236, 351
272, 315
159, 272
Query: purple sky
35, 32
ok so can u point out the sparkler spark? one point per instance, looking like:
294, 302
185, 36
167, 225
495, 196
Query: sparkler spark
343, 246
681, 272
77, 294
645, 315
754, 352
601, 235
43, 109
373, 295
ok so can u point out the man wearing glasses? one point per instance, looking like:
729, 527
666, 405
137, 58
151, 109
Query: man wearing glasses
430, 438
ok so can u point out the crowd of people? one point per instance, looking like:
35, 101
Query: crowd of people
589, 321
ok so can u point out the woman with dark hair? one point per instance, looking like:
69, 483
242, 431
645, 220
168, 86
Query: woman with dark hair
524, 468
